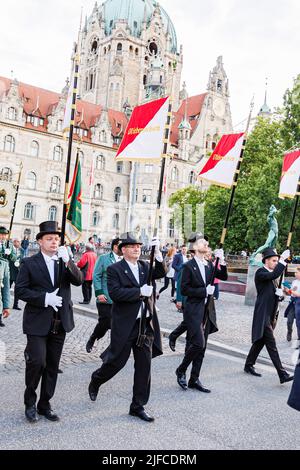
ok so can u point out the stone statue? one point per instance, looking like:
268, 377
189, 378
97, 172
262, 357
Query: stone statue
272, 236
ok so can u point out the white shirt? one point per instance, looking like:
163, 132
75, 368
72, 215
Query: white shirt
135, 271
295, 286
201, 265
117, 258
50, 265
185, 259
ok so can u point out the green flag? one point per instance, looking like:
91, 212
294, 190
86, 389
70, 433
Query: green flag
74, 217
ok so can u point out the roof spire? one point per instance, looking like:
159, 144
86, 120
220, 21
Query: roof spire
265, 110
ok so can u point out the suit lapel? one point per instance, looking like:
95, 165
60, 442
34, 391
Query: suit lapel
197, 271
129, 273
142, 273
43, 267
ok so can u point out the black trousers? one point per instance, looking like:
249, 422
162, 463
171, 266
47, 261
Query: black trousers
166, 285
194, 352
42, 356
104, 321
87, 291
142, 367
267, 340
179, 330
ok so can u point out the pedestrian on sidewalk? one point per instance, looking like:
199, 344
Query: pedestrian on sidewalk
87, 264
14, 267
170, 273
6, 255
44, 283
293, 309
104, 302
128, 289
265, 312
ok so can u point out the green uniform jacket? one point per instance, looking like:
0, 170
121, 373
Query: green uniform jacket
100, 275
4, 283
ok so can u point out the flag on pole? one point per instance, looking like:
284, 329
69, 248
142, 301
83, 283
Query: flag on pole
222, 164
74, 216
7, 196
145, 132
290, 175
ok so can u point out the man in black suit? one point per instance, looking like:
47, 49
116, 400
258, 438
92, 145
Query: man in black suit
265, 311
128, 289
44, 283
196, 285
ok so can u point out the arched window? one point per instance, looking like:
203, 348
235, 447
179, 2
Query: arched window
118, 194
119, 48
116, 221
215, 141
53, 213
136, 52
55, 185
102, 136
6, 174
171, 231
119, 167
12, 114
96, 219
58, 153
131, 49
31, 180
9, 144
59, 125
174, 174
28, 211
100, 162
98, 191
34, 148
192, 177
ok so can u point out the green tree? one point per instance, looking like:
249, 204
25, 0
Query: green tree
186, 203
291, 112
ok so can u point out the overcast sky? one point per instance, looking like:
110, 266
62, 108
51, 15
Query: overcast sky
257, 38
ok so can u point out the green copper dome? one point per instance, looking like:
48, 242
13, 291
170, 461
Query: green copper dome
135, 12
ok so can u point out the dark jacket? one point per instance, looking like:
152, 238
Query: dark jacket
294, 398
267, 301
124, 291
177, 264
32, 284
194, 288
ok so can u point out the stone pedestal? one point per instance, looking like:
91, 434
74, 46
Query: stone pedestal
251, 294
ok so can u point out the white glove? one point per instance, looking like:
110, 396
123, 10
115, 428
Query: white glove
158, 255
146, 291
7, 251
210, 290
155, 242
279, 292
285, 255
64, 254
220, 254
53, 300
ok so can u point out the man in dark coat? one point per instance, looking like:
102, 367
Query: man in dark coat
44, 283
127, 287
294, 398
200, 319
265, 312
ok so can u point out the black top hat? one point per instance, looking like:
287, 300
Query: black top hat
129, 238
49, 227
4, 231
269, 253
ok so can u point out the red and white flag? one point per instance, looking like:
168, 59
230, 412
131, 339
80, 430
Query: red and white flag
290, 175
222, 164
143, 139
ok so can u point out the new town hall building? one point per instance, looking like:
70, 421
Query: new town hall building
128, 54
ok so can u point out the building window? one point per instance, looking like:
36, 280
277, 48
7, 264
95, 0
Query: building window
98, 191
171, 231
102, 136
58, 153
136, 52
34, 149
59, 125
55, 185
12, 114
9, 144
208, 141
31, 180
119, 48
192, 177
116, 221
81, 156
100, 162
53, 213
215, 141
147, 196
96, 219
174, 174
118, 194
148, 168
28, 211
219, 86
6, 174
119, 167
136, 195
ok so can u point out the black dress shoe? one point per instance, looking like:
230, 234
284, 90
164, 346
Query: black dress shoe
252, 371
48, 414
90, 344
30, 413
60, 371
172, 343
84, 303
181, 380
93, 392
286, 378
142, 414
16, 308
198, 386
